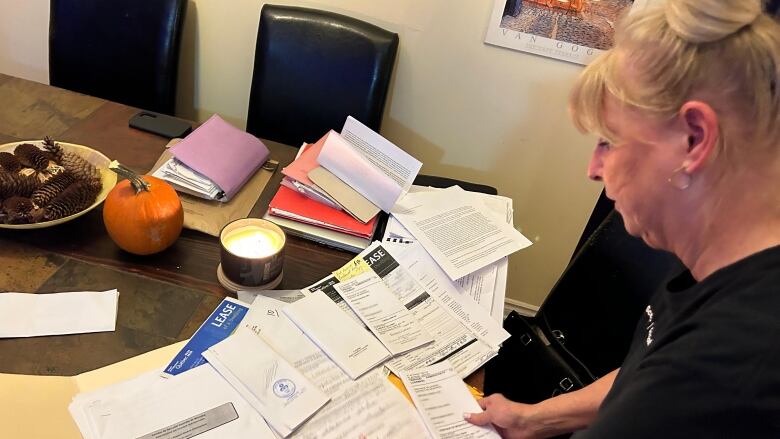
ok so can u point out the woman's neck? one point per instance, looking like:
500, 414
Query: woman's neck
743, 220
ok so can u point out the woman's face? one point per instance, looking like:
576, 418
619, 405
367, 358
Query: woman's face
636, 170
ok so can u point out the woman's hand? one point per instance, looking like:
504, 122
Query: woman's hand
513, 420
562, 414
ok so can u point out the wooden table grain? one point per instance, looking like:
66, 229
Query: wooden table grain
163, 297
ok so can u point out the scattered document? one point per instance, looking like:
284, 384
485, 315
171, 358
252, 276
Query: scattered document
487, 286
370, 407
270, 384
442, 398
452, 339
222, 322
393, 324
34, 315
197, 403
348, 344
423, 268
454, 228
267, 321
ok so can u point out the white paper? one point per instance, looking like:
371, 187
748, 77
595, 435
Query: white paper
32, 315
370, 407
452, 339
269, 383
442, 398
345, 342
266, 320
287, 296
393, 324
188, 180
327, 287
390, 159
454, 228
149, 403
369, 163
423, 268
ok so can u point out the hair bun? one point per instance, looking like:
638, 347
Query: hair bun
704, 21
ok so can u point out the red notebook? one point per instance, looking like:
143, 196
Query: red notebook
287, 203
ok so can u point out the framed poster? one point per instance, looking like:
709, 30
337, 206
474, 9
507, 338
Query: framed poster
571, 30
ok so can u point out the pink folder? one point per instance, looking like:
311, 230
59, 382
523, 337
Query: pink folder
299, 169
223, 153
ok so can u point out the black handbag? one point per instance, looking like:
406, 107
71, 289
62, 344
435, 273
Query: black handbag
584, 328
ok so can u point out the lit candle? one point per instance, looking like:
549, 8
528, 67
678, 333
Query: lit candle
251, 254
252, 242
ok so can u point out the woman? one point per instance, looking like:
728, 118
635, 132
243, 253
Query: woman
688, 108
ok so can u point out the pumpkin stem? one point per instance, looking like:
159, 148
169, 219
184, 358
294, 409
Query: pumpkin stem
138, 183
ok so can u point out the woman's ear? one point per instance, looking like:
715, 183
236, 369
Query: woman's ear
701, 124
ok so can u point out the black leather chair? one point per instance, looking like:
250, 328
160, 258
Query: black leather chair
587, 320
122, 50
313, 69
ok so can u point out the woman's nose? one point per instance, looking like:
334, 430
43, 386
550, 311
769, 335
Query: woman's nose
595, 165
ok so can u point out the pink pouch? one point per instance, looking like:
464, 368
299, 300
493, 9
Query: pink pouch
223, 153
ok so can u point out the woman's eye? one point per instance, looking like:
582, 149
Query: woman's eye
603, 144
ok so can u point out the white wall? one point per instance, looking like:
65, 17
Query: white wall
465, 109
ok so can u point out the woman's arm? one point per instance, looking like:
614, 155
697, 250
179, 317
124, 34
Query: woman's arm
562, 414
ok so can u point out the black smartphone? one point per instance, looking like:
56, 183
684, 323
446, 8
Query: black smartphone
160, 124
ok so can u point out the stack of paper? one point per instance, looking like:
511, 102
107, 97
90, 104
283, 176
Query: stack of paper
189, 181
296, 174
214, 161
486, 285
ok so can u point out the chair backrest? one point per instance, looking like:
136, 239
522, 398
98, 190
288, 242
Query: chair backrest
597, 301
122, 50
313, 69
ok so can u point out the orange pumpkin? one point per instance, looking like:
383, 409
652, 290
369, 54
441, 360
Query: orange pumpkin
143, 215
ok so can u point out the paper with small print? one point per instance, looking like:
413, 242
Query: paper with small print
33, 315
455, 229
389, 320
442, 398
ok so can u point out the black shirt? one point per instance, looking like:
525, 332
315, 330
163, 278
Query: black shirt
704, 361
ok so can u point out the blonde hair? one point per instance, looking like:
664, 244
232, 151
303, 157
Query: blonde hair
724, 52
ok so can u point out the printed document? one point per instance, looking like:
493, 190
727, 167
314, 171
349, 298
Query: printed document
370, 405
393, 324
423, 268
196, 403
33, 315
487, 286
267, 381
452, 339
347, 343
442, 398
369, 163
456, 230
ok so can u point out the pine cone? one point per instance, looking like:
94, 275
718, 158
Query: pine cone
17, 185
53, 187
54, 148
31, 156
75, 198
9, 162
18, 210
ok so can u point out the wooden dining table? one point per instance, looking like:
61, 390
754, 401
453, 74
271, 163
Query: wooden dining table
163, 297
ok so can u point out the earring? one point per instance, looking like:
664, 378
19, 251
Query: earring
680, 179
